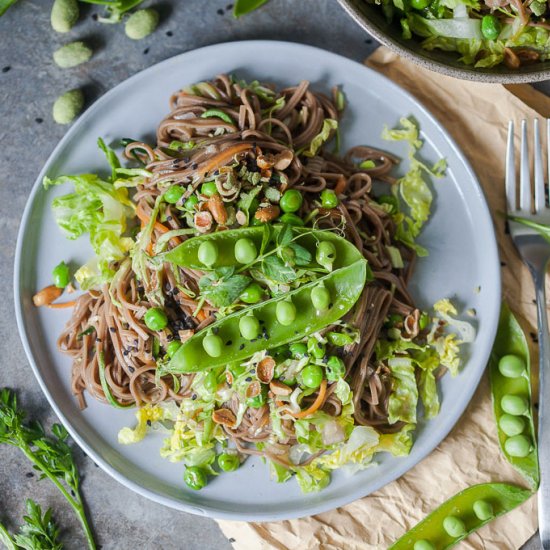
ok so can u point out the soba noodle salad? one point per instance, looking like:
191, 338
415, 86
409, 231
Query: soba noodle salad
249, 289
484, 33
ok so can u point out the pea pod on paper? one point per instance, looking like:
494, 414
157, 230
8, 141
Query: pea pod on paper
225, 342
510, 343
472, 508
498, 499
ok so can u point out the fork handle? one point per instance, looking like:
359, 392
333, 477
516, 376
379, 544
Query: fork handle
544, 408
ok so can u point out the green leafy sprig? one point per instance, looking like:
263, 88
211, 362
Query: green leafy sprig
51, 455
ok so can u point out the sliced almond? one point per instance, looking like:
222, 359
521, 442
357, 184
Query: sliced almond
229, 377
283, 159
217, 209
47, 295
267, 213
411, 323
265, 161
203, 221
265, 370
184, 335
254, 389
225, 417
278, 388
511, 59
240, 217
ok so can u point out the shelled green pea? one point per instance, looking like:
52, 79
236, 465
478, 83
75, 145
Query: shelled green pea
208, 253
141, 24
249, 327
245, 251
195, 478
285, 312
212, 345
320, 297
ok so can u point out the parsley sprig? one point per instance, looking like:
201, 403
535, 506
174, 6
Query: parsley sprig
39, 532
50, 454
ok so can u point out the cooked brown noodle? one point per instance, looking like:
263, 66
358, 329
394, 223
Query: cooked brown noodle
116, 313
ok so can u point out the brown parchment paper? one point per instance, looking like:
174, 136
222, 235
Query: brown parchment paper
476, 115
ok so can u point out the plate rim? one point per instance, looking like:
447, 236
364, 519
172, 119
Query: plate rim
217, 513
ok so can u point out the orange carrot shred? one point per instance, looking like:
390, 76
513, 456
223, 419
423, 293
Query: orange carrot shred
316, 404
62, 305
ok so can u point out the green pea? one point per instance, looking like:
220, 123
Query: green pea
312, 376
329, 199
483, 510
195, 478
320, 298
259, 400
73, 54
211, 381
173, 347
64, 15
212, 345
291, 201
325, 254
454, 526
174, 194
518, 446
60, 275
335, 368
511, 425
514, 404
511, 366
68, 106
420, 4
291, 219
208, 253
299, 349
249, 327
191, 202
423, 544
490, 27
156, 319
228, 462
285, 312
315, 348
209, 188
252, 294
245, 251
141, 24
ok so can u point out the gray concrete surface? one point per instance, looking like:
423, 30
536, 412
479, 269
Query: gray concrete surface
29, 83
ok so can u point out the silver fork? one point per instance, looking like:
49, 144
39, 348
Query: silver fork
535, 252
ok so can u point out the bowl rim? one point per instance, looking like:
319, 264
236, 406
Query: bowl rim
480, 75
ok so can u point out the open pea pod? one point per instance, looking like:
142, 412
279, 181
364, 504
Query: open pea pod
187, 253
344, 286
510, 340
497, 499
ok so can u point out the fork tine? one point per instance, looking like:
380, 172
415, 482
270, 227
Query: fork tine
539, 175
511, 168
524, 176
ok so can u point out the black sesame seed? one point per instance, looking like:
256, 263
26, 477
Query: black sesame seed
168, 218
149, 422
503, 264
331, 305
125, 352
95, 16
368, 41
215, 330
533, 337
220, 12
296, 332
229, 342
231, 540
6, 69
241, 347
112, 329
145, 51
98, 340
39, 120
194, 396
29, 475
131, 369
73, 493
169, 33
194, 166
248, 379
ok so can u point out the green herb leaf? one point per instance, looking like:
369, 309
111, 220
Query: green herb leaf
242, 7
5, 4
302, 256
39, 531
223, 292
275, 269
285, 235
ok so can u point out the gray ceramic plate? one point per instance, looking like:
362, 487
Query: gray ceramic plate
463, 263
370, 17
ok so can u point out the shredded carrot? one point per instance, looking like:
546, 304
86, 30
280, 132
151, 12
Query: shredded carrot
316, 404
226, 155
62, 305
144, 219
201, 315
340, 186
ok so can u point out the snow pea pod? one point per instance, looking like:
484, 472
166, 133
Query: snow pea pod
344, 285
510, 341
501, 497
265, 239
